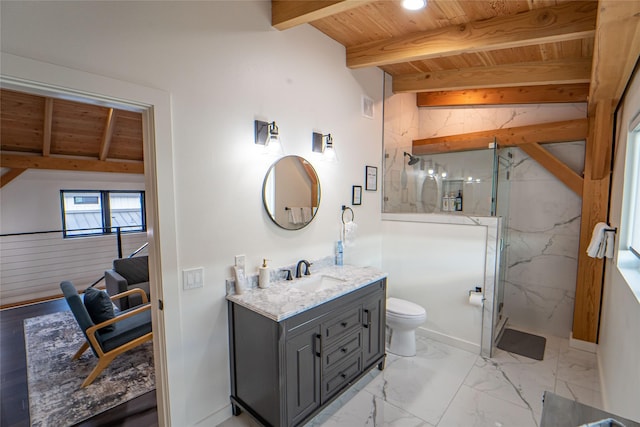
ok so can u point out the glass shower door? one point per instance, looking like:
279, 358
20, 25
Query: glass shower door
504, 162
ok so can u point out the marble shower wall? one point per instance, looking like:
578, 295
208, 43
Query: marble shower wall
544, 221
542, 251
400, 129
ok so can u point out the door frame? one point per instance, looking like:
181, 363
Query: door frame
31, 76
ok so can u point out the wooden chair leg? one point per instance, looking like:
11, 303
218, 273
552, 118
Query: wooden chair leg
81, 350
102, 363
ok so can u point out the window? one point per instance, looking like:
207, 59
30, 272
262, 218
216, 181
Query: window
94, 212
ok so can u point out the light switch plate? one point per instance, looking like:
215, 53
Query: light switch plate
193, 278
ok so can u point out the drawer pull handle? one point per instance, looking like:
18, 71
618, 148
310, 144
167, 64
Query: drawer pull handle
343, 375
344, 350
317, 344
344, 324
368, 321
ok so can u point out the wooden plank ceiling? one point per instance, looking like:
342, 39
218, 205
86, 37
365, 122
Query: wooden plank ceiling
47, 133
456, 44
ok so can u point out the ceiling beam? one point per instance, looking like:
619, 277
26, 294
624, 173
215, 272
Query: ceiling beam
287, 14
10, 175
616, 50
506, 95
562, 71
21, 161
566, 131
555, 166
568, 21
109, 126
48, 125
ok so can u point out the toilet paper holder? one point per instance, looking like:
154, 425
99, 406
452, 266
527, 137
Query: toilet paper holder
477, 290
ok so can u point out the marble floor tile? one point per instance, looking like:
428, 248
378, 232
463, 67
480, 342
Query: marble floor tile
473, 408
521, 386
242, 420
425, 384
578, 367
365, 409
585, 395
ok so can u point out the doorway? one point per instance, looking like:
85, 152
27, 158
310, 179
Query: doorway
25, 75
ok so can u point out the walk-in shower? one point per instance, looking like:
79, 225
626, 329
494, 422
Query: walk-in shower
472, 184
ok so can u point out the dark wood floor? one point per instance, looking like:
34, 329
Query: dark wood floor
14, 397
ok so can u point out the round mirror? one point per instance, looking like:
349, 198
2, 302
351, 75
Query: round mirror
291, 192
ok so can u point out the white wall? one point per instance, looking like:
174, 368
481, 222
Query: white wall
224, 66
435, 265
619, 337
31, 202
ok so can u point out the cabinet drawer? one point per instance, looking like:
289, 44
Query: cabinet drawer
343, 323
335, 380
342, 350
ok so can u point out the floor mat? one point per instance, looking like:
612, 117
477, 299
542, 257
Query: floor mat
522, 343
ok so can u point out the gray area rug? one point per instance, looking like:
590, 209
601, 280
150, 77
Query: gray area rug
55, 395
522, 343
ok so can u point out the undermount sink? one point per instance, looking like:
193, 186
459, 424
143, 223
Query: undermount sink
317, 283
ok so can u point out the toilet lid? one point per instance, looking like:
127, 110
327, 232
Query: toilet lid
404, 308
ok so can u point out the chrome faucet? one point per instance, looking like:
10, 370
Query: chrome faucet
307, 264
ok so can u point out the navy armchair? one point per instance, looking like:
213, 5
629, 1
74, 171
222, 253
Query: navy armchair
111, 337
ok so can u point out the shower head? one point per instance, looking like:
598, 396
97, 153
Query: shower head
412, 159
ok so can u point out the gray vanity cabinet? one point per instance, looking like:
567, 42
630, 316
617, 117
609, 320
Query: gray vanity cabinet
302, 374
283, 373
375, 320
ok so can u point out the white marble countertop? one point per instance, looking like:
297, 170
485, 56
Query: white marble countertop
284, 298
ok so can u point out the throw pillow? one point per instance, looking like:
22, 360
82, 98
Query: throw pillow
99, 306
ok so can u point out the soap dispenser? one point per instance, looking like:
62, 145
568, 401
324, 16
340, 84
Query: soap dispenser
264, 275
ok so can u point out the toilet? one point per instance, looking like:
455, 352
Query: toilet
403, 317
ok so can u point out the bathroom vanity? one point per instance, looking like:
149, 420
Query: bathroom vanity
297, 345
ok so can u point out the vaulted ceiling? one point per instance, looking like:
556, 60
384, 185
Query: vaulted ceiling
466, 45
46, 133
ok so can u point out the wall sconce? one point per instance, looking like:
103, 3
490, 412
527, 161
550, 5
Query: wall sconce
267, 134
324, 144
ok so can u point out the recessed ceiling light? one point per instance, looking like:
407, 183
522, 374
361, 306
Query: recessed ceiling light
414, 4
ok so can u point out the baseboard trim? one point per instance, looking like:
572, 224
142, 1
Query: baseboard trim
452, 341
591, 347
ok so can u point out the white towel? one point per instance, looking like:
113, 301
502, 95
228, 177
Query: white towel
602, 242
295, 215
306, 214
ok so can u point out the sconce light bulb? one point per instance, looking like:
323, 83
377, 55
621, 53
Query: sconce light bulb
430, 171
470, 179
444, 174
